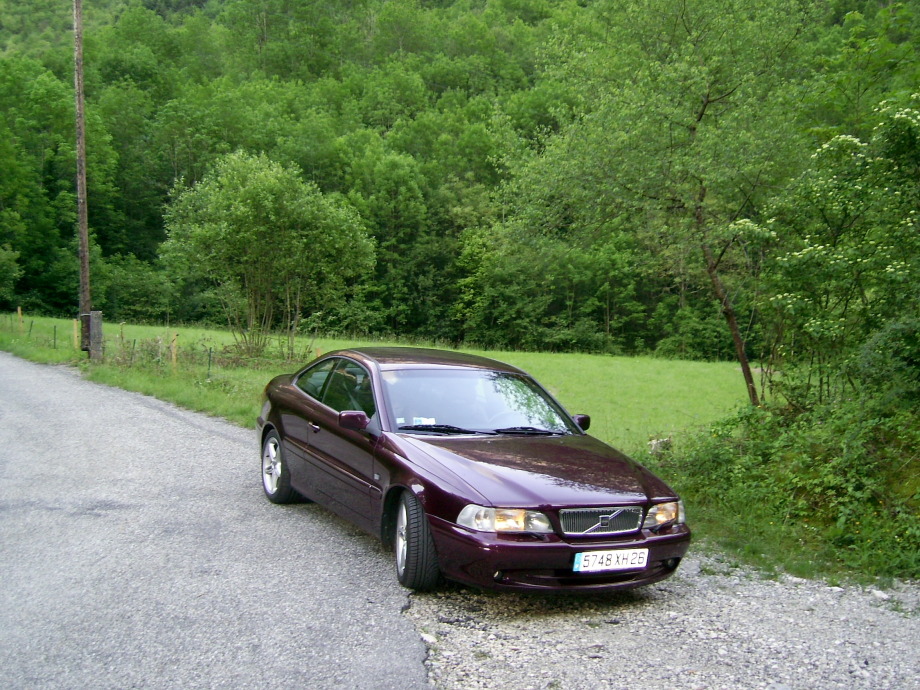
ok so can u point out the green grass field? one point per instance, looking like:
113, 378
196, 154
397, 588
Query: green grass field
630, 399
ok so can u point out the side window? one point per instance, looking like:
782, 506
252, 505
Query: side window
312, 380
350, 389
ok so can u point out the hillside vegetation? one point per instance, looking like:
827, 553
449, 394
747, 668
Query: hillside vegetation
689, 179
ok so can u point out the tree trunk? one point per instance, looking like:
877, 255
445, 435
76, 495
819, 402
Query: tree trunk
729, 311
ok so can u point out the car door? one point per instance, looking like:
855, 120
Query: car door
297, 410
345, 457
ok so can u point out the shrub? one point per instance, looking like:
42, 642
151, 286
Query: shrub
842, 477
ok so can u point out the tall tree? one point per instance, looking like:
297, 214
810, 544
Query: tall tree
689, 120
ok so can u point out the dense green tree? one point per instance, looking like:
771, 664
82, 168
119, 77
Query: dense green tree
869, 57
37, 198
271, 244
848, 260
9, 273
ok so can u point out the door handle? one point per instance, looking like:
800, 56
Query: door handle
315, 427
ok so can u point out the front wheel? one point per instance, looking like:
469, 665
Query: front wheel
416, 558
276, 477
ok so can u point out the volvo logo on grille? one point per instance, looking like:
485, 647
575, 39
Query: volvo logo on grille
604, 521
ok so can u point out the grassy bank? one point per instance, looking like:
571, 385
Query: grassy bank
630, 399
832, 489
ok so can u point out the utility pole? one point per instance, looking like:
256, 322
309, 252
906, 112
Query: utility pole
87, 342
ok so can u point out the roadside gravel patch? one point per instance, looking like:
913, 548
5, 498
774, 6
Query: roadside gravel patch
711, 626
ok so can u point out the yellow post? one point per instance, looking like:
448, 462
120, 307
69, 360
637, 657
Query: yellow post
19, 309
76, 334
174, 346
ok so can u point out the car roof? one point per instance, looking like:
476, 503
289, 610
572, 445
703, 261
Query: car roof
391, 358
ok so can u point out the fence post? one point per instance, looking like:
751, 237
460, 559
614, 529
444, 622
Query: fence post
210, 350
76, 334
19, 310
174, 347
95, 336
55, 336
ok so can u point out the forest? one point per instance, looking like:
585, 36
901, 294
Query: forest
530, 175
692, 179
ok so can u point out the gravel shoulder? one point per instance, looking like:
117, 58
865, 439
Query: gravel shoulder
711, 626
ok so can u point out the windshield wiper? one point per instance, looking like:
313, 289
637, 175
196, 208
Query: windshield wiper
442, 428
528, 431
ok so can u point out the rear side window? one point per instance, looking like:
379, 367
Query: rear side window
350, 389
312, 380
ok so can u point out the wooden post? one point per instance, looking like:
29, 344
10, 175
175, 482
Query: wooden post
19, 310
76, 334
317, 353
86, 304
95, 331
55, 336
174, 348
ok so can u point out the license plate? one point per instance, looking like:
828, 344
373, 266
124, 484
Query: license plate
599, 561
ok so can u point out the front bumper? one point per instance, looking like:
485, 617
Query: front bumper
532, 563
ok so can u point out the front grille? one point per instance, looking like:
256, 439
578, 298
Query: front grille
614, 520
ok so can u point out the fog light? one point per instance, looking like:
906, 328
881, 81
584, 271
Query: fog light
498, 576
672, 563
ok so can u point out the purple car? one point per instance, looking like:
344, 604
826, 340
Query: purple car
470, 469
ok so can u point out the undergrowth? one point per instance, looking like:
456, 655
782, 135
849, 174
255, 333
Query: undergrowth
832, 489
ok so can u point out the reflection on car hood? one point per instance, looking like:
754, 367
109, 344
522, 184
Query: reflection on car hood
543, 470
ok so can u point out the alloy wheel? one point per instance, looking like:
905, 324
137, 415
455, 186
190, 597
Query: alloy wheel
271, 466
401, 543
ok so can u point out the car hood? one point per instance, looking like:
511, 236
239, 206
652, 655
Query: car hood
533, 471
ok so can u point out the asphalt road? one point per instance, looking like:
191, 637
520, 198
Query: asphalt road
137, 550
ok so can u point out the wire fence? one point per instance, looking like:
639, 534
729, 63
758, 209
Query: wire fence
164, 353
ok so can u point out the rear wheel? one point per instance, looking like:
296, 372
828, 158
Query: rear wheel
416, 558
276, 477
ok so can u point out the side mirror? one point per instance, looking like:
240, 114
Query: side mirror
583, 421
353, 419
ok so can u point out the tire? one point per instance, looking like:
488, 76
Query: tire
416, 558
276, 477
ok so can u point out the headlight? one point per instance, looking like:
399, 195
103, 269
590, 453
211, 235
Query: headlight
503, 520
661, 513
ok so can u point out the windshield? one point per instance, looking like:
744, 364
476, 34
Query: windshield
470, 401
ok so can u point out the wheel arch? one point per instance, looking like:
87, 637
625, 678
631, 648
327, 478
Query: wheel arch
391, 503
266, 430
